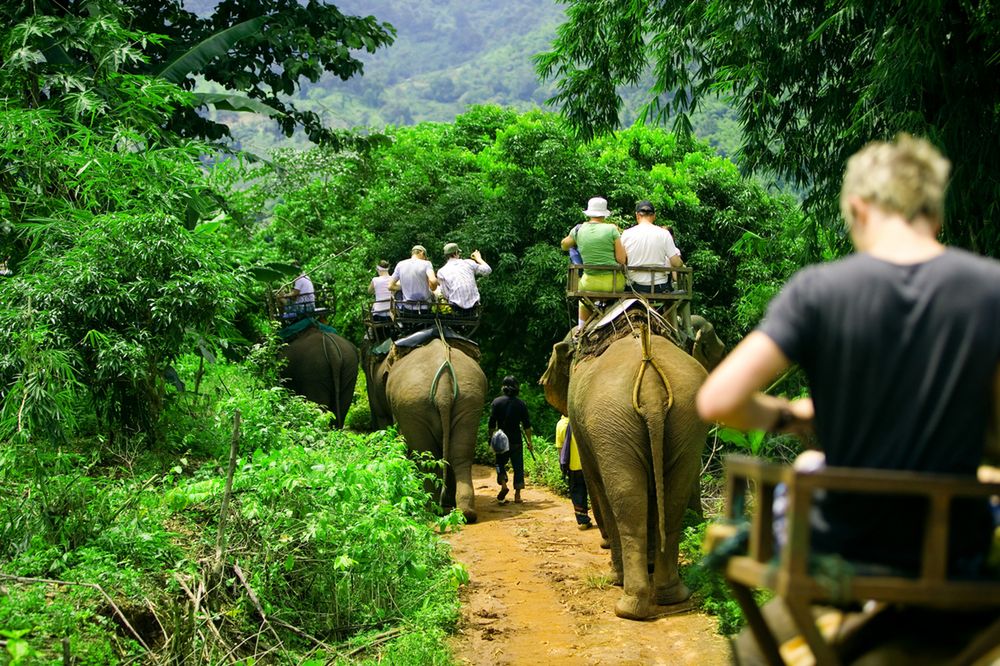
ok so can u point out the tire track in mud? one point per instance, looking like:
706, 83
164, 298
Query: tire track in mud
539, 593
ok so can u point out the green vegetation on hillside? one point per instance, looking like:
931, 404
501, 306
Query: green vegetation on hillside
448, 55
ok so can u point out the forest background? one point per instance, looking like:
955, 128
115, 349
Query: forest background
167, 500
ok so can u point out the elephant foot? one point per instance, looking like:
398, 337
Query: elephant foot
470, 516
630, 607
605, 544
672, 594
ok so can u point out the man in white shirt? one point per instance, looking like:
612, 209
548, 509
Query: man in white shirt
300, 299
379, 287
649, 245
458, 278
415, 278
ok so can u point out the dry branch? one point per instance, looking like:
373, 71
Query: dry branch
234, 449
256, 602
376, 641
196, 600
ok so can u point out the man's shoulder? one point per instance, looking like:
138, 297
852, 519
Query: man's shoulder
971, 262
645, 230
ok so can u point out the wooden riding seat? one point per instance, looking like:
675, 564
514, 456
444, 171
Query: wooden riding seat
795, 581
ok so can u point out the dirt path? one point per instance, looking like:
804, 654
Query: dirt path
539, 593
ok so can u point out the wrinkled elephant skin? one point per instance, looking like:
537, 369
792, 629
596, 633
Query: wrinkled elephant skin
442, 423
640, 465
323, 368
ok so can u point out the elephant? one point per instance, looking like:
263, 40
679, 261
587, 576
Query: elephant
435, 393
322, 367
632, 409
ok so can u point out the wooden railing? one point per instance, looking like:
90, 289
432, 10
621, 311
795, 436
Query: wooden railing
675, 302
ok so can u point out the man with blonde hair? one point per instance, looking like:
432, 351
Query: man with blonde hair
899, 342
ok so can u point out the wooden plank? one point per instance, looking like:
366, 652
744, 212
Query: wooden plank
758, 626
801, 613
795, 558
897, 482
762, 525
935, 551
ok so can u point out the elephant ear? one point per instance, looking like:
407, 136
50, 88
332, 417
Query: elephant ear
556, 378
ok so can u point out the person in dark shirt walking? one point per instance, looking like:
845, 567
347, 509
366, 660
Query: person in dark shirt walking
510, 414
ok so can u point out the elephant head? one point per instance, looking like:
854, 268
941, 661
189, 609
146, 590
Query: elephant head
556, 378
706, 348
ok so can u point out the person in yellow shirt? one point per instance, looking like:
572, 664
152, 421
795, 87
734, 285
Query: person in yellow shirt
569, 461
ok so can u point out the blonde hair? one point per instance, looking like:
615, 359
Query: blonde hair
908, 176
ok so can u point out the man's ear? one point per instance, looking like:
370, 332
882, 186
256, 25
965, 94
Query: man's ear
859, 211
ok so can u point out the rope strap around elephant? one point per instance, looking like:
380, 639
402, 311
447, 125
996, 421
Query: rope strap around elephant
647, 359
445, 365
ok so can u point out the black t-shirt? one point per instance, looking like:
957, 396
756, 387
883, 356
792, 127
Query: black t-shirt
511, 414
900, 361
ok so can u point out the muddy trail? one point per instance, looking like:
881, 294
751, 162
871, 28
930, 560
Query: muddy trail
540, 593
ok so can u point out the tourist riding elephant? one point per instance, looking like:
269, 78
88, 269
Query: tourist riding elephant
435, 393
633, 414
322, 367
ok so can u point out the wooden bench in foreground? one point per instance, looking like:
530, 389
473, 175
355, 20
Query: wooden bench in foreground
788, 574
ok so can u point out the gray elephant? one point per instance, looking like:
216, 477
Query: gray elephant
633, 413
322, 367
435, 393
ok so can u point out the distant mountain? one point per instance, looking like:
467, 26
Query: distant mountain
448, 54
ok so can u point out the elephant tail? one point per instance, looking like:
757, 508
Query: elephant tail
654, 425
443, 397
654, 414
334, 375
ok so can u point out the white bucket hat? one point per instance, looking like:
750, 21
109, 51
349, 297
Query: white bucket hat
597, 207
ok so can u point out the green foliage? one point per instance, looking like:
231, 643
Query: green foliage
543, 467
347, 538
751, 442
125, 286
334, 531
810, 85
708, 586
265, 50
113, 274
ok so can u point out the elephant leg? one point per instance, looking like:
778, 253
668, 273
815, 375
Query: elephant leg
629, 502
681, 477
609, 531
420, 438
670, 589
465, 496
694, 502
602, 509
